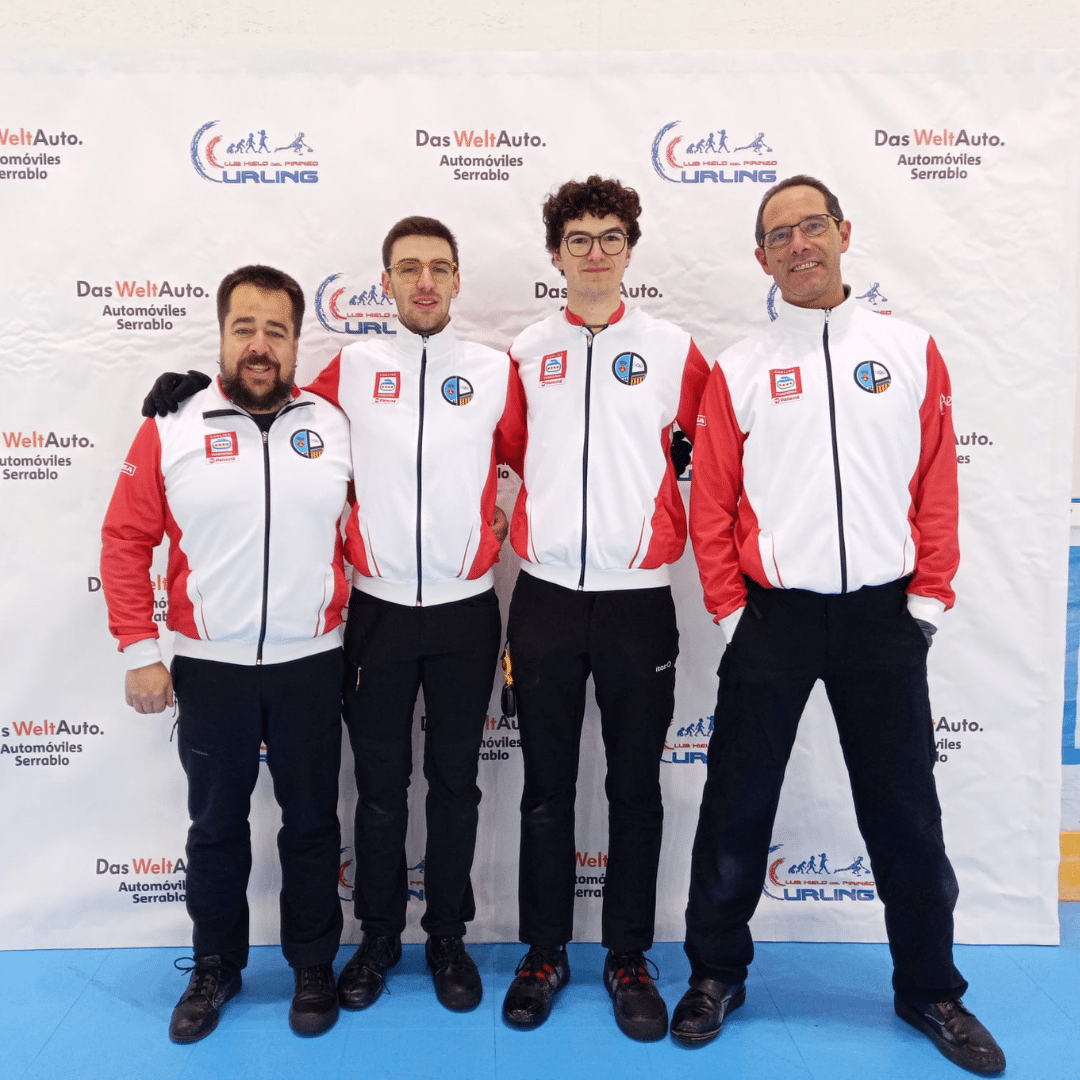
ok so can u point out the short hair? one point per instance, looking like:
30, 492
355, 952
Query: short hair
597, 197
418, 226
269, 280
832, 204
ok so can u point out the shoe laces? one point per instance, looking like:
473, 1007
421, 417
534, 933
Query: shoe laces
447, 950
319, 977
375, 949
206, 973
537, 963
628, 966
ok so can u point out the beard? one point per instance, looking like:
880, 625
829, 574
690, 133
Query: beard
270, 400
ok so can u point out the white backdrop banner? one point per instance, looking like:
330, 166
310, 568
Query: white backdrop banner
129, 186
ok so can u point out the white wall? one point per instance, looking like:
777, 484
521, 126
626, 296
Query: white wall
564, 25
327, 27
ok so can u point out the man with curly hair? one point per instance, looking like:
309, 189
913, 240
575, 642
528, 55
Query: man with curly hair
597, 524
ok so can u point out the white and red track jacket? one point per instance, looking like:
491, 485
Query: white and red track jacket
255, 571
588, 428
825, 460
423, 410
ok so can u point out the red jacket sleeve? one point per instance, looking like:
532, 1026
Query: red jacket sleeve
715, 491
511, 434
326, 382
695, 376
134, 526
934, 499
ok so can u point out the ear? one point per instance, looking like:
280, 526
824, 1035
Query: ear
457, 285
845, 235
763, 260
387, 287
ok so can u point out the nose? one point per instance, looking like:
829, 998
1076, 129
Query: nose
426, 281
596, 252
798, 238
259, 344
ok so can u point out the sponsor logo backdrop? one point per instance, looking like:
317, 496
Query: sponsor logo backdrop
129, 191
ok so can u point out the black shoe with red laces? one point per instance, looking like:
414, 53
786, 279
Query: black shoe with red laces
640, 1011
541, 974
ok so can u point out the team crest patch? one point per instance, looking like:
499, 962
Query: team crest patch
222, 446
457, 390
307, 443
786, 384
629, 368
553, 368
387, 385
873, 377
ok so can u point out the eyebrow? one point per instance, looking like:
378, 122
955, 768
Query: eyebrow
250, 319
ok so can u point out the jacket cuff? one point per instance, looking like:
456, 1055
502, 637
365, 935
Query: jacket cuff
142, 653
926, 608
729, 622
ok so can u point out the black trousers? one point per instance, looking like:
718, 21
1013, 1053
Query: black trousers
628, 641
871, 656
225, 712
391, 651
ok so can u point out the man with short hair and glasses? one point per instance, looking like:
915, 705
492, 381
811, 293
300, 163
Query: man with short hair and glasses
423, 613
597, 524
823, 514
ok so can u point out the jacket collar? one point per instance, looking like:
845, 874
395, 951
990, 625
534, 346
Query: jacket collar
439, 346
576, 320
801, 320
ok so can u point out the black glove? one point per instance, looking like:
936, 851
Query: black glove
172, 388
680, 452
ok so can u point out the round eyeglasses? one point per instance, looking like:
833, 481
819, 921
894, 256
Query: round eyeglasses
580, 244
409, 270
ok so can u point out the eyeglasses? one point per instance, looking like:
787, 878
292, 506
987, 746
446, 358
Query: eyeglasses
809, 227
409, 270
580, 244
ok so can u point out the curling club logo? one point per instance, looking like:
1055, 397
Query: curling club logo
253, 157
712, 157
347, 306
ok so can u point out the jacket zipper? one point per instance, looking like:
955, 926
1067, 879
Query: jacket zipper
420, 478
835, 456
266, 500
585, 464
266, 543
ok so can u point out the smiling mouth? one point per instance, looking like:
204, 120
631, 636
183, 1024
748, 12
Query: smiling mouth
805, 266
260, 367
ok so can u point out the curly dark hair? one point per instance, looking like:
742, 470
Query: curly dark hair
266, 278
832, 204
597, 197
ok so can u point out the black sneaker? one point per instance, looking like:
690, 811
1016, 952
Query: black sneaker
362, 979
640, 1011
957, 1033
456, 978
314, 1006
541, 974
212, 983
